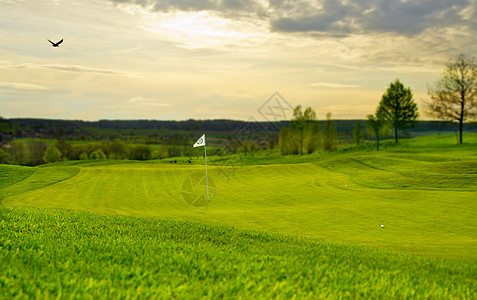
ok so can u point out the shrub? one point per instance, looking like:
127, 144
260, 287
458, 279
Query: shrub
98, 154
84, 156
52, 154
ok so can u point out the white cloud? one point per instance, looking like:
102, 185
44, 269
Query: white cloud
21, 86
140, 100
334, 85
70, 68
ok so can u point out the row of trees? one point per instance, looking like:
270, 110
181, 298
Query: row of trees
453, 98
36, 153
304, 134
396, 110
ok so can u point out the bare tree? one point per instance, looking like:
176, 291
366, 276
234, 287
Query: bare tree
454, 93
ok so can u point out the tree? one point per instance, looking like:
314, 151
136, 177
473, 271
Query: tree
285, 142
312, 131
376, 126
65, 149
36, 150
454, 94
398, 108
84, 156
18, 153
3, 156
329, 133
298, 126
98, 154
52, 154
358, 134
140, 152
305, 128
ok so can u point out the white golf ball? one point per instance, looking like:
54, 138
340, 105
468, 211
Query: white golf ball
346, 185
382, 226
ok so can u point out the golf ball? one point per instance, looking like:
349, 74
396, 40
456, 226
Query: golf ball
382, 226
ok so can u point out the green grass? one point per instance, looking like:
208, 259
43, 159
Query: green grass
67, 254
423, 190
426, 200
12, 174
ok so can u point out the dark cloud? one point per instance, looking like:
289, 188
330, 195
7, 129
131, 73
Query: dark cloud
413, 17
397, 16
228, 7
330, 16
334, 17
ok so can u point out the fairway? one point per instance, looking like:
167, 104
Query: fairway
426, 201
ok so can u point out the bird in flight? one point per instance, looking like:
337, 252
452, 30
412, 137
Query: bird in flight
57, 44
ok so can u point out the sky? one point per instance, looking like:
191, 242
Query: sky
222, 59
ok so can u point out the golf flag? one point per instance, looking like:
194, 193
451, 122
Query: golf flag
200, 141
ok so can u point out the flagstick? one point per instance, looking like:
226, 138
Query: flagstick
206, 179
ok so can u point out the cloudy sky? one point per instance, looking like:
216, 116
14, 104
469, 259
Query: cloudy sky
181, 59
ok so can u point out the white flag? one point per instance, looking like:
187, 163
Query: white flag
200, 141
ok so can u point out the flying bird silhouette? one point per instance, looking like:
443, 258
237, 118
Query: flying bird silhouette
57, 44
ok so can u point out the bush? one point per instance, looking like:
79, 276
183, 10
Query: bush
84, 156
3, 156
98, 154
52, 154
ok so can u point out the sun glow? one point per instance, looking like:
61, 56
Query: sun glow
202, 29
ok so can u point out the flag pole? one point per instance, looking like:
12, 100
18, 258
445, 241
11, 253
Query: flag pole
201, 142
206, 178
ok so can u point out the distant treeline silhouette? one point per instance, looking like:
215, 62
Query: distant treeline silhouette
149, 139
167, 132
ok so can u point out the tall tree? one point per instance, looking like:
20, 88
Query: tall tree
312, 130
397, 108
298, 125
454, 94
283, 140
306, 129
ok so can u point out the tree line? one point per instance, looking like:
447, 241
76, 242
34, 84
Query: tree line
453, 99
396, 110
36, 152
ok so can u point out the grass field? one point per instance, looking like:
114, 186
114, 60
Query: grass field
67, 254
424, 193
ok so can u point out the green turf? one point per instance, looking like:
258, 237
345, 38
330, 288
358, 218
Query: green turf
423, 191
67, 254
426, 200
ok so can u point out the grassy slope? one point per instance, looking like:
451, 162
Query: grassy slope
426, 200
60, 253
